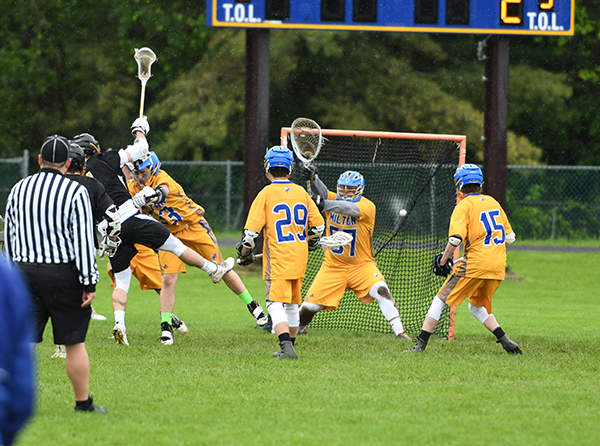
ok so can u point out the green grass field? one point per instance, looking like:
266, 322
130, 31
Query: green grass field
219, 385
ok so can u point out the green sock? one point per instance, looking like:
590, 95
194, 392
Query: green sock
166, 317
245, 296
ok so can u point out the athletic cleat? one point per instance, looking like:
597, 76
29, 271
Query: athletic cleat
287, 351
403, 336
120, 334
96, 316
302, 330
509, 345
222, 269
166, 338
91, 408
258, 313
60, 352
178, 325
420, 347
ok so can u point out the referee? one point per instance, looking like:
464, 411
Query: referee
49, 234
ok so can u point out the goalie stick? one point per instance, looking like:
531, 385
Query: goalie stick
307, 140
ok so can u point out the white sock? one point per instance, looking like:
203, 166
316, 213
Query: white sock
390, 312
209, 267
120, 317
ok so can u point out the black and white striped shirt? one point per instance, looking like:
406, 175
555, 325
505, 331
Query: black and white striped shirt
49, 220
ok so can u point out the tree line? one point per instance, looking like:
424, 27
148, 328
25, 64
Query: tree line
67, 67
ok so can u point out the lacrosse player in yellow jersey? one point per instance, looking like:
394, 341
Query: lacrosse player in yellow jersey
350, 267
185, 219
290, 221
481, 224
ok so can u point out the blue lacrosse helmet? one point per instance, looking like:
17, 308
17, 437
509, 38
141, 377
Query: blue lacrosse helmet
150, 161
467, 174
350, 186
279, 156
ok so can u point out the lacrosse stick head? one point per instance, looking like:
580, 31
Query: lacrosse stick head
350, 186
307, 139
144, 57
336, 240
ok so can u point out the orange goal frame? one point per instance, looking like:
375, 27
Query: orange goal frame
462, 154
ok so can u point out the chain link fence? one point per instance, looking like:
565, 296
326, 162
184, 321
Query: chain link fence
543, 202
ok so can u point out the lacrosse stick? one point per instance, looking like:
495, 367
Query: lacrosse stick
333, 241
144, 57
307, 141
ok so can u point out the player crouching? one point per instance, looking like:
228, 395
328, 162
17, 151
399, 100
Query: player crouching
480, 222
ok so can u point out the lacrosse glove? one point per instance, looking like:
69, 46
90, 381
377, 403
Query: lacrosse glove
439, 269
140, 125
307, 173
141, 198
243, 259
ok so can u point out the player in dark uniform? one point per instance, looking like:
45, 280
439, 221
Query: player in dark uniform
136, 227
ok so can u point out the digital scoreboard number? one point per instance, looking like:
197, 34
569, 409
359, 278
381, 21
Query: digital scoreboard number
525, 17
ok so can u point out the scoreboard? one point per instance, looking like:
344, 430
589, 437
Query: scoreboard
521, 17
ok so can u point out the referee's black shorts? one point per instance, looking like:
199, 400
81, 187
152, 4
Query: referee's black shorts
58, 295
140, 229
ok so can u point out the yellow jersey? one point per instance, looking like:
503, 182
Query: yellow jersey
284, 211
178, 211
482, 224
360, 250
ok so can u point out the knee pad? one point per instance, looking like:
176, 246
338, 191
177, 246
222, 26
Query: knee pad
436, 308
123, 280
480, 313
174, 245
293, 317
380, 291
277, 312
309, 306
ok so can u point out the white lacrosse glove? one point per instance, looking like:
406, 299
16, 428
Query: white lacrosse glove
142, 197
108, 246
140, 125
136, 151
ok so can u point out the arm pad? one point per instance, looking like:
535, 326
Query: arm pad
136, 151
113, 220
455, 240
162, 193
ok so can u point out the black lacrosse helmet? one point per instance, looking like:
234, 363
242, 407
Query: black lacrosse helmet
77, 157
88, 143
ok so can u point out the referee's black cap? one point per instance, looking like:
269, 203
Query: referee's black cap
55, 149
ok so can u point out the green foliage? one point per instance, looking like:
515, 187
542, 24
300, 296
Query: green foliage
67, 66
219, 384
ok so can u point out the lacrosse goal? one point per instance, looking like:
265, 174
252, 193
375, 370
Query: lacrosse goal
409, 171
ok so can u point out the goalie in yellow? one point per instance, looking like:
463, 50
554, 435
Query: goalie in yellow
350, 267
160, 196
481, 224
290, 221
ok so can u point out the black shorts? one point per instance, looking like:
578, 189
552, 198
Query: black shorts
57, 295
140, 229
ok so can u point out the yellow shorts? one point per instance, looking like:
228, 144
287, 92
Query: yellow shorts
148, 268
283, 290
331, 282
479, 291
201, 239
